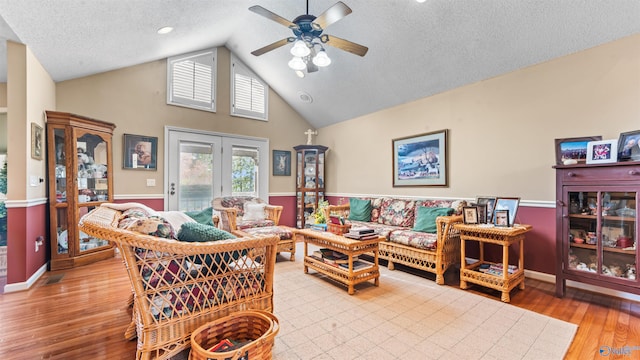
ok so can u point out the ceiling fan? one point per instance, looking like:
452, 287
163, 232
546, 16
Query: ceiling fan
308, 33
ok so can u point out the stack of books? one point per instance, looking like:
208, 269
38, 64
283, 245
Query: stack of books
319, 227
496, 269
331, 257
361, 233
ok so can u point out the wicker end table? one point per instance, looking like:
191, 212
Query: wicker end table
503, 236
346, 275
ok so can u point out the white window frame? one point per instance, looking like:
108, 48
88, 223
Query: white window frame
201, 60
237, 67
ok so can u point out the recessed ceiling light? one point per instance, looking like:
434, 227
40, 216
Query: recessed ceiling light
304, 97
165, 30
421, 1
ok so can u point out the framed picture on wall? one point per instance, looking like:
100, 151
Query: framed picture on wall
140, 152
281, 163
420, 160
37, 141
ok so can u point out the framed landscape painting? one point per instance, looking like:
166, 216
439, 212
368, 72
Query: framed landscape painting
420, 160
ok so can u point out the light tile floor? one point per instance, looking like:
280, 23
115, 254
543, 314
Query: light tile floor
406, 317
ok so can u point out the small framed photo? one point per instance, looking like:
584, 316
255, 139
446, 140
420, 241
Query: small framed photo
490, 202
37, 141
629, 146
482, 213
140, 152
603, 151
502, 218
470, 214
573, 150
281, 163
507, 203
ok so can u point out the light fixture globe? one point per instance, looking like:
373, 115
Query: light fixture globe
300, 49
297, 64
321, 59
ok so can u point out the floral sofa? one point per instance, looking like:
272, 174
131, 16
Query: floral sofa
418, 234
183, 274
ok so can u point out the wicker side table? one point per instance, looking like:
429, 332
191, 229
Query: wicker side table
503, 236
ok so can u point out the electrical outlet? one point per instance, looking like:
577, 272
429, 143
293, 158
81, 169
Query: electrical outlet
151, 182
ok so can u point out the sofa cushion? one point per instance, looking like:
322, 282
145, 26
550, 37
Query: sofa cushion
397, 212
418, 240
196, 232
426, 218
283, 232
359, 209
381, 229
152, 225
376, 203
254, 211
203, 216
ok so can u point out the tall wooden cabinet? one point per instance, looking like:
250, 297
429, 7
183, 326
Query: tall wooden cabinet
80, 173
309, 180
597, 225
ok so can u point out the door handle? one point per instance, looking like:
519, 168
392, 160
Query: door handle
172, 189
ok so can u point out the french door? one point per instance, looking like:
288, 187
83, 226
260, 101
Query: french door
203, 165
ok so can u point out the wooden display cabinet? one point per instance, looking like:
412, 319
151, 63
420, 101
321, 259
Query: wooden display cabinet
597, 225
80, 174
310, 166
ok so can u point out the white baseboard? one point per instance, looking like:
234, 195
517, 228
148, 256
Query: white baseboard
26, 284
536, 275
582, 286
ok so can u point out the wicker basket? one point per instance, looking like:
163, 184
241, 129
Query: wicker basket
338, 229
258, 327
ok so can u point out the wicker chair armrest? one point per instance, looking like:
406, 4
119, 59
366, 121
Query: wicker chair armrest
273, 212
447, 234
340, 210
228, 218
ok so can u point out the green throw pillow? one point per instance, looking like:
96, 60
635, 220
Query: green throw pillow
426, 218
359, 210
196, 232
202, 216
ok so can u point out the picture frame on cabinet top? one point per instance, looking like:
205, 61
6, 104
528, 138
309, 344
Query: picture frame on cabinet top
629, 146
602, 152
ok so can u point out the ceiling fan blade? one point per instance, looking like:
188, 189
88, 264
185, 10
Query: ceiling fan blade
332, 14
270, 47
346, 45
275, 17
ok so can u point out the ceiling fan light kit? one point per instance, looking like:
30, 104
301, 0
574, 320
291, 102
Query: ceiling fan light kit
308, 34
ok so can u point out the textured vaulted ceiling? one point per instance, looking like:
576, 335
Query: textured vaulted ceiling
415, 49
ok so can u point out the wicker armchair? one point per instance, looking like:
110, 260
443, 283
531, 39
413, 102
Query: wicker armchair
232, 218
180, 286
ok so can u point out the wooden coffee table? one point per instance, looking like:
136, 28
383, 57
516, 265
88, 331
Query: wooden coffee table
346, 275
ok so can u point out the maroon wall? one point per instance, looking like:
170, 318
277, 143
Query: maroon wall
24, 226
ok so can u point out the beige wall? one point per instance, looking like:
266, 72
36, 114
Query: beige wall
134, 99
501, 131
3, 94
30, 91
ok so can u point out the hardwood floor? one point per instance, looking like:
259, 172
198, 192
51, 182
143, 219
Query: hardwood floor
84, 315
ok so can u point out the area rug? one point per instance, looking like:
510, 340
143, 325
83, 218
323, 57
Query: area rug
406, 317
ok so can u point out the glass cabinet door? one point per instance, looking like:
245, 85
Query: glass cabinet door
602, 233
93, 185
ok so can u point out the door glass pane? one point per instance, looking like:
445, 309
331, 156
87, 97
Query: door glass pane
619, 234
244, 171
92, 168
196, 176
87, 242
61, 169
582, 231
